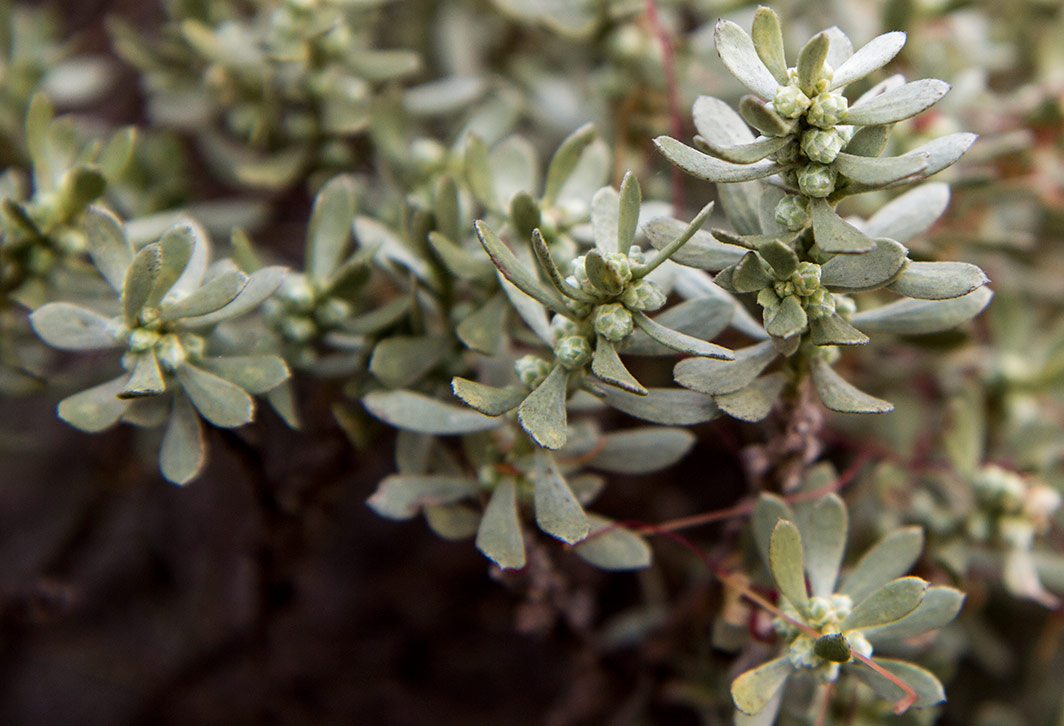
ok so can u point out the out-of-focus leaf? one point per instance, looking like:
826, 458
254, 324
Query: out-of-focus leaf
616, 549
839, 395
412, 411
938, 280
401, 496
753, 690
184, 450
96, 408
642, 450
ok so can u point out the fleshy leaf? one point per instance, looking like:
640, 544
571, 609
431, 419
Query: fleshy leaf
410, 411
919, 317
898, 103
605, 219
889, 603
558, 513
488, 399
542, 414
839, 395
96, 408
184, 449
910, 214
642, 450
928, 689
616, 549
811, 63
484, 329
746, 153
680, 342
222, 403
71, 327
260, 285
666, 406
329, 229
628, 215
767, 36
565, 160
401, 496
834, 330
754, 402
769, 509
209, 298
709, 168
835, 235
880, 171
939, 607
938, 280
873, 55
753, 690
107, 245
400, 360
256, 374
786, 561
511, 268
720, 377
607, 365
788, 320
736, 50
718, 124
867, 271
825, 541
499, 535
146, 378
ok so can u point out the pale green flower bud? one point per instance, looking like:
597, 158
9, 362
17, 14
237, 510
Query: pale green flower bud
613, 322
816, 180
170, 353
635, 255
297, 293
579, 272
562, 327
531, 370
821, 146
792, 212
790, 102
333, 312
790, 153
573, 352
619, 262
820, 304
806, 278
827, 110
643, 295
298, 329
141, 339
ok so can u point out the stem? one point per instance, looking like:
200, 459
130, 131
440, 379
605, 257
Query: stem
668, 61
670, 249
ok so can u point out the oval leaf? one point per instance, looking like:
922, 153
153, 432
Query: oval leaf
416, 412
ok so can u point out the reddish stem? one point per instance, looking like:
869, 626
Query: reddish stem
668, 60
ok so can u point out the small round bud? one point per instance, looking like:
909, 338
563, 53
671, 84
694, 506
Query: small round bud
170, 353
573, 352
821, 146
643, 295
298, 329
562, 327
332, 313
820, 304
792, 212
579, 272
790, 102
531, 370
297, 293
427, 154
827, 110
619, 262
816, 180
635, 255
613, 322
806, 278
141, 339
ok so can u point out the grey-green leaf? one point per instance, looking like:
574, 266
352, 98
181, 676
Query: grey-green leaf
484, 329
880, 171
499, 535
767, 36
680, 342
909, 214
736, 50
542, 414
702, 250
825, 540
927, 687
209, 298
746, 153
788, 320
873, 55
96, 408
184, 450
146, 378
329, 229
666, 406
605, 219
512, 269
565, 161
615, 549
835, 330
835, 235
642, 450
769, 509
811, 63
71, 327
939, 607
628, 213
558, 513
256, 374
890, 602
488, 399
919, 317
890, 557
709, 168
718, 124
754, 402
412, 411
222, 403
398, 361
720, 377
401, 496
867, 271
753, 690
259, 286
938, 280
786, 561
107, 245
607, 365
839, 395
898, 103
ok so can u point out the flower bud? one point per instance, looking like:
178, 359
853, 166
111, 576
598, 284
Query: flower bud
297, 293
332, 313
613, 322
792, 212
816, 180
806, 278
573, 352
562, 327
141, 339
531, 370
820, 304
170, 353
790, 102
827, 110
643, 295
821, 146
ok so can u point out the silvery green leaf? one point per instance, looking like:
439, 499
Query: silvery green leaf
116, 153
718, 124
702, 250
209, 298
256, 374
222, 403
873, 55
944, 151
410, 411
146, 378
869, 141
835, 235
558, 513
390, 246
898, 103
780, 256
811, 63
719, 377
868, 271
667, 406
919, 317
769, 509
786, 560
753, 690
628, 214
706, 167
606, 364
880, 171
520, 275
701, 318
499, 535
446, 207
380, 318
767, 37
939, 607
488, 399
542, 414
400, 360
149, 412
789, 319
825, 541
835, 330
96, 408
283, 401
329, 229
454, 522
616, 549
71, 327
938, 280
754, 402
401, 496
459, 261
605, 217
696, 284
273, 171
529, 309
765, 717
514, 168
678, 341
742, 205
107, 245
762, 116
450, 94
587, 487
478, 172
928, 689
751, 274
259, 286
483, 330
890, 602
910, 214
565, 161
139, 281
184, 450
186, 234
591, 173
839, 395
746, 153
736, 50
642, 450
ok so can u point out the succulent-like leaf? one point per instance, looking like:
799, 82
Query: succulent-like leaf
678, 341
139, 281
788, 320
762, 116
108, 246
605, 219
769, 509
488, 399
259, 286
607, 365
558, 513
96, 408
514, 168
400, 360
706, 167
209, 298
825, 541
897, 104
666, 406
737, 52
873, 55
628, 215
834, 330
881, 171
751, 274
718, 124
702, 318
329, 229
530, 310
484, 329
615, 549
184, 450
146, 378
835, 235
256, 374
753, 690
938, 280
868, 271
514, 271
454, 522
401, 496
786, 560
887, 604
780, 256
943, 151
839, 46
542, 414
767, 37
839, 395
910, 214
869, 141
72, 327
754, 402
720, 377
410, 411
222, 403
939, 607
919, 317
499, 535
565, 161
642, 450
702, 251
811, 63
745, 153
478, 172
928, 689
